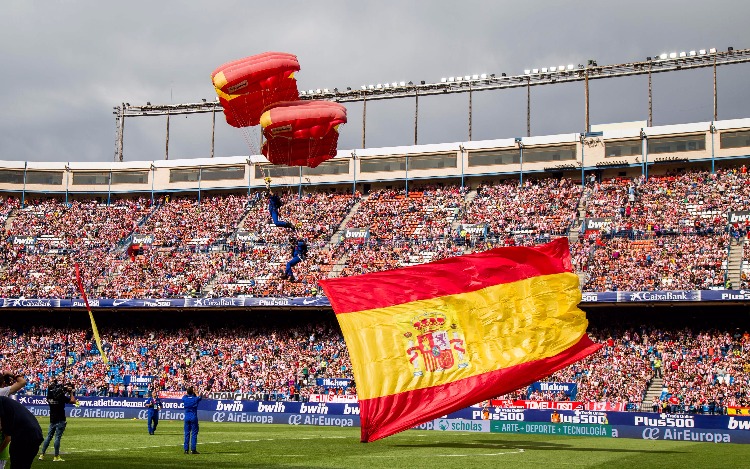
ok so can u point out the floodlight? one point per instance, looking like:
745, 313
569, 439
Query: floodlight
379, 86
363, 87
535, 70
571, 66
403, 83
318, 90
526, 72
483, 76
467, 77
371, 87
309, 91
663, 56
712, 50
683, 54
442, 80
702, 52
325, 90
475, 77
544, 69
673, 55
692, 52
451, 79
561, 68
553, 69
459, 78
302, 93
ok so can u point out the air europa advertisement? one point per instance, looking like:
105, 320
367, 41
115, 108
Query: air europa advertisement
608, 424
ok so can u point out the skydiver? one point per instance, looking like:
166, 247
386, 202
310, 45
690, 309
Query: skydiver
274, 203
299, 252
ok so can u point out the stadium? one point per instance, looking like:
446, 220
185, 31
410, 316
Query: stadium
183, 269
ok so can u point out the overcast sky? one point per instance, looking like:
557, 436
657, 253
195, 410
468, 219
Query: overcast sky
65, 64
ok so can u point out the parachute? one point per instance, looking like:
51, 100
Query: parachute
262, 89
246, 87
302, 133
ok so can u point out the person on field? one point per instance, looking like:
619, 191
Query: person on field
190, 403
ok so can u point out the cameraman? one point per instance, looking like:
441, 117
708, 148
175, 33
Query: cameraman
11, 384
57, 396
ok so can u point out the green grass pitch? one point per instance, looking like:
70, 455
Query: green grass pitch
95, 443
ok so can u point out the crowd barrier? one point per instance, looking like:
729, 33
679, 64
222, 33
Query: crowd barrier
638, 425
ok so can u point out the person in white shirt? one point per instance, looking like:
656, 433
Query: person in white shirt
11, 383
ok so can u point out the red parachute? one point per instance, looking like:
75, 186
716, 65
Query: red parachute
247, 87
302, 133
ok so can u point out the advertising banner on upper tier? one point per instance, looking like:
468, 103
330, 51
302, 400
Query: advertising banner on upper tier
666, 296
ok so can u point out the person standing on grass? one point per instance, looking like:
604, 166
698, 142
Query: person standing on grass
190, 403
153, 403
57, 396
21, 429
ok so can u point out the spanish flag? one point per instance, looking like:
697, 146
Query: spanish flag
431, 339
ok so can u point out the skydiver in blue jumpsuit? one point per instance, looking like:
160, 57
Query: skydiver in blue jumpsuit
274, 204
299, 251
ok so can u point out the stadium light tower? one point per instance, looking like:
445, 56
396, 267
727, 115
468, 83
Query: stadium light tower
558, 74
584, 136
519, 142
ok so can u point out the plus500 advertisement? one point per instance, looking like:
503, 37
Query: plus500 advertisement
638, 425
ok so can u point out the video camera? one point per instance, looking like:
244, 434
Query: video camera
7, 379
59, 393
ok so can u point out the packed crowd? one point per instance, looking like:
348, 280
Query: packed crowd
537, 209
282, 361
264, 361
427, 213
678, 262
254, 264
669, 232
689, 202
707, 369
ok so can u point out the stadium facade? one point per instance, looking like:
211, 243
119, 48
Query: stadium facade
628, 149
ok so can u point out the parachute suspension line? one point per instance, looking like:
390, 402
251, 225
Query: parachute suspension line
246, 135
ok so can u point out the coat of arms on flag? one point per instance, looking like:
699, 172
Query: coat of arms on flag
435, 345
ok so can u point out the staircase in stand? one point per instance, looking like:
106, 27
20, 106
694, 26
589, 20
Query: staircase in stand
342, 226
9, 221
654, 390
734, 262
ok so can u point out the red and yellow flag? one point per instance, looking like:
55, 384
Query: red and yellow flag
431, 339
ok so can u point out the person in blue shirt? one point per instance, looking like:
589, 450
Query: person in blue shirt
153, 404
190, 403
299, 251
274, 204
